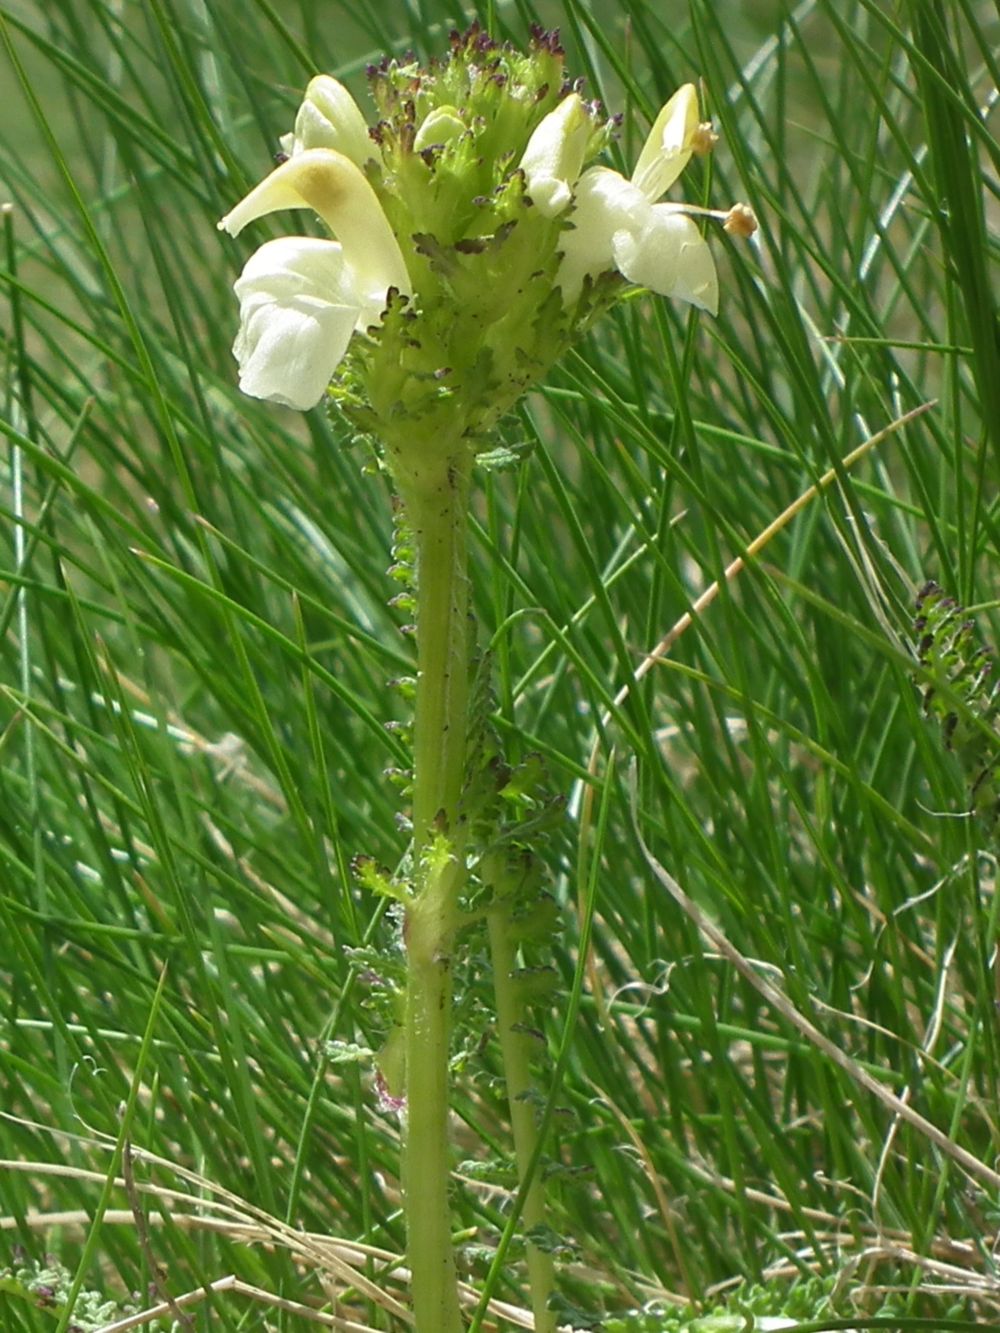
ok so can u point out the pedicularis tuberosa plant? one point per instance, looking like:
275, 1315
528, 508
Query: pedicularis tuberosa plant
473, 239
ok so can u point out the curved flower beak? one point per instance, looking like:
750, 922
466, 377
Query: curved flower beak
329, 117
332, 186
554, 155
669, 144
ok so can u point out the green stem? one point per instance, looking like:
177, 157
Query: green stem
436, 500
437, 503
514, 1051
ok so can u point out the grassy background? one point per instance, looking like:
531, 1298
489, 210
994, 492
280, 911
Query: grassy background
196, 645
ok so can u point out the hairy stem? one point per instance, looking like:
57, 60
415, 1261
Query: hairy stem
514, 1049
436, 500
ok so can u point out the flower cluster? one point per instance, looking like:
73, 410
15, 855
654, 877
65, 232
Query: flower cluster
472, 242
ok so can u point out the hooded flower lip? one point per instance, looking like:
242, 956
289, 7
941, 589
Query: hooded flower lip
332, 186
617, 224
301, 299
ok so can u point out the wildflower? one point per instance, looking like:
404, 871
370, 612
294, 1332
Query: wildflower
617, 224
301, 299
472, 197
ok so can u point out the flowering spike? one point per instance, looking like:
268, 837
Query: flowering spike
473, 244
475, 238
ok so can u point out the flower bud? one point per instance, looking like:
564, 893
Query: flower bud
669, 145
329, 117
552, 160
439, 126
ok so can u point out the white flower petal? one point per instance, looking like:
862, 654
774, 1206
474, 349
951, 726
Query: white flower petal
668, 148
670, 256
299, 306
604, 204
552, 160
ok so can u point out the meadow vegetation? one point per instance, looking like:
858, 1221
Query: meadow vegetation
768, 1073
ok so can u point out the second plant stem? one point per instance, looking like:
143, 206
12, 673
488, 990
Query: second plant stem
515, 1042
